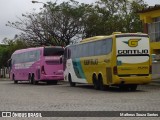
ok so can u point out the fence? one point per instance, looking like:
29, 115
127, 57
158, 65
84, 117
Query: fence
4, 72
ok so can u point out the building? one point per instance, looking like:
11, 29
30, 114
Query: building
151, 21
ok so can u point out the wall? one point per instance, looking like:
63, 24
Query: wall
156, 70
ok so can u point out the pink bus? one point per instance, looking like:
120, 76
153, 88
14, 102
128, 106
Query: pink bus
37, 64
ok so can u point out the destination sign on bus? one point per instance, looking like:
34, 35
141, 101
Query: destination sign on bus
121, 52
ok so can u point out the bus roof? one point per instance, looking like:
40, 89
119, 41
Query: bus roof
34, 48
27, 49
132, 34
93, 38
114, 34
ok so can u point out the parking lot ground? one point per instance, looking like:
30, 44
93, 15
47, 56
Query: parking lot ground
26, 97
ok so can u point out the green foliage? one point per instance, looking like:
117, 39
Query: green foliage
8, 48
109, 16
58, 24
4, 55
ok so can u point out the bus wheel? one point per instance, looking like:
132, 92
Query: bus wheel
133, 87
34, 81
15, 81
52, 82
101, 85
30, 79
95, 83
123, 87
72, 84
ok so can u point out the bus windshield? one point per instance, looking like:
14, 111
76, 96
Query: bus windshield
133, 49
53, 51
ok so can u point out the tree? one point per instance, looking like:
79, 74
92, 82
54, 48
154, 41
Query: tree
8, 48
109, 16
58, 24
4, 55
54, 25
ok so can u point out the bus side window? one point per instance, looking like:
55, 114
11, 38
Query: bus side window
91, 49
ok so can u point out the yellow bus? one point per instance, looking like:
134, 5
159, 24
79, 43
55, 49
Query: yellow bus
120, 59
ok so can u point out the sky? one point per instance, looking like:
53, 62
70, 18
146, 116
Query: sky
11, 9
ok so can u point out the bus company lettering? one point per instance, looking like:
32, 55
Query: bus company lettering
91, 62
145, 51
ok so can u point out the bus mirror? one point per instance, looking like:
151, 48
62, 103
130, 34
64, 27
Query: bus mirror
9, 62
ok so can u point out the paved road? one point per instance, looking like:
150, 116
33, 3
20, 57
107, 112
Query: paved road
62, 97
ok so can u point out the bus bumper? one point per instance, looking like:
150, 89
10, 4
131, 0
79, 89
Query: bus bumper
139, 80
52, 77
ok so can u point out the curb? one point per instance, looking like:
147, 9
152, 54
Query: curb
4, 79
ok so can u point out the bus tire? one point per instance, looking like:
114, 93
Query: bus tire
101, 85
95, 83
124, 87
15, 81
30, 79
133, 87
52, 82
72, 84
34, 81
